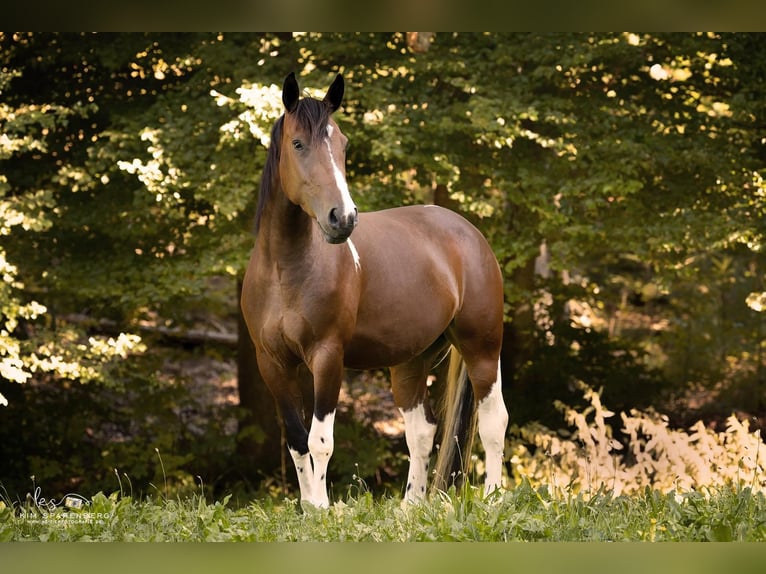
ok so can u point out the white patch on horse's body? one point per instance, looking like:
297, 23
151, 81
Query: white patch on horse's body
419, 434
493, 420
354, 254
320, 448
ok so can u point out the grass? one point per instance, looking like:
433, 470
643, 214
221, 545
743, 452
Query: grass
525, 513
664, 485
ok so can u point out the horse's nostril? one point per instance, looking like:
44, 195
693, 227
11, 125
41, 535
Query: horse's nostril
333, 219
342, 223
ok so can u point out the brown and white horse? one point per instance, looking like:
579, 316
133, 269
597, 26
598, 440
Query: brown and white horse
328, 287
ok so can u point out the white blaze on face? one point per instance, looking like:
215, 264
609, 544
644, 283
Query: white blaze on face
347, 204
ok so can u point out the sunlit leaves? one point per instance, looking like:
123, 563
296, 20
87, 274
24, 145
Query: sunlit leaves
68, 356
757, 301
158, 174
262, 107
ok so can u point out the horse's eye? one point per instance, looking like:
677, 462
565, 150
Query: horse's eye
298, 145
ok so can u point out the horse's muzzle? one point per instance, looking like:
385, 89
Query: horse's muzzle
340, 225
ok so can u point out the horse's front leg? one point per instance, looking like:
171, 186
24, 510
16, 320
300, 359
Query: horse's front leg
297, 445
283, 382
327, 367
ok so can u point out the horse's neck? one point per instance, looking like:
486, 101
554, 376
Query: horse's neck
285, 232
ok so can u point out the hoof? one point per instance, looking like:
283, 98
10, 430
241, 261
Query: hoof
309, 505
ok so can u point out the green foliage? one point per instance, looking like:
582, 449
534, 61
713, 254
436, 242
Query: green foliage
129, 166
363, 457
573, 343
140, 430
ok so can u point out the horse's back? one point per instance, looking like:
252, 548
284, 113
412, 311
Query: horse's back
434, 217
425, 238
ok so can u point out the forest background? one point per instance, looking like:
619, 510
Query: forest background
618, 178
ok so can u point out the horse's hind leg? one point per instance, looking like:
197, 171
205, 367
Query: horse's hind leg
409, 386
408, 382
482, 359
493, 421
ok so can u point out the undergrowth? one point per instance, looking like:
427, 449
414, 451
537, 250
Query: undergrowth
524, 513
644, 452
577, 484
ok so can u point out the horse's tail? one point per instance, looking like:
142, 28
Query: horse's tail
458, 417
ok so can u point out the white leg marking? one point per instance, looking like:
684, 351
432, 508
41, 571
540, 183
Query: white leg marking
320, 446
354, 254
305, 472
419, 434
493, 421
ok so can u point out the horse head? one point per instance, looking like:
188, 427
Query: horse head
312, 164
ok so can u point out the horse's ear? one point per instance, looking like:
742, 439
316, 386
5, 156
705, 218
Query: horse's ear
290, 93
335, 93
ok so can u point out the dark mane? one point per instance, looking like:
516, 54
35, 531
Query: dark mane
270, 171
312, 115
